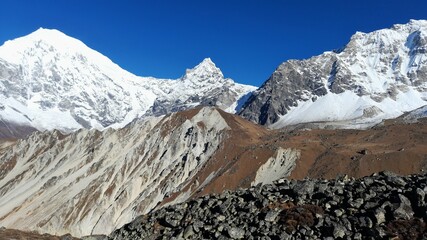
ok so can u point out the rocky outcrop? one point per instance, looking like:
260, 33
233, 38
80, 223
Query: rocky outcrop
361, 81
381, 206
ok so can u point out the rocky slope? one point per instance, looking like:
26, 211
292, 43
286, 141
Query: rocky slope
92, 182
381, 206
377, 75
51, 81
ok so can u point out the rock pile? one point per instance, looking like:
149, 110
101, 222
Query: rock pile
381, 206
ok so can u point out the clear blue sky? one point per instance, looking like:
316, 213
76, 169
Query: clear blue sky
247, 39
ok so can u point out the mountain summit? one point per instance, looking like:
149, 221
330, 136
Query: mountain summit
204, 69
377, 75
49, 80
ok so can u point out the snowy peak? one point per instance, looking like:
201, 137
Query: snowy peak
46, 46
54, 38
206, 70
203, 85
42, 40
51, 37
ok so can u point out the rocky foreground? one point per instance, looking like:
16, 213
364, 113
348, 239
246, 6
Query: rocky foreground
381, 206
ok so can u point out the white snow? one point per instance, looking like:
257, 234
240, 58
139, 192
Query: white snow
349, 107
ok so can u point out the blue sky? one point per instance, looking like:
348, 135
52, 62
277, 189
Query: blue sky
247, 39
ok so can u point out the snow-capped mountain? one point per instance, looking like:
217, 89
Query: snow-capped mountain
51, 81
376, 76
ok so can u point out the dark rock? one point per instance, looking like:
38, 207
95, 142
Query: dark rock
365, 222
363, 152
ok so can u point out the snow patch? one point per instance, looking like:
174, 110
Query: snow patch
351, 109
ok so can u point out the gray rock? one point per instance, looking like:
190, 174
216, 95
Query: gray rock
396, 180
172, 222
357, 236
339, 231
338, 212
236, 233
305, 187
379, 216
368, 181
365, 222
188, 232
357, 203
271, 216
404, 211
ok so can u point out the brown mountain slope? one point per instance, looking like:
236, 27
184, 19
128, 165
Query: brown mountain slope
396, 146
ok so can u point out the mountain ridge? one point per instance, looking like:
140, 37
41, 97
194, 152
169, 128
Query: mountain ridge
51, 81
377, 75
